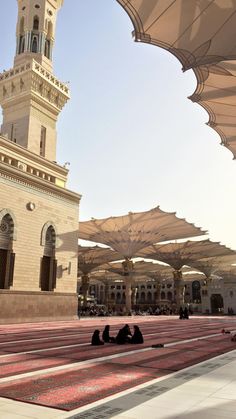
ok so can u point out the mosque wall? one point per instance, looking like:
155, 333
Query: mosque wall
44, 229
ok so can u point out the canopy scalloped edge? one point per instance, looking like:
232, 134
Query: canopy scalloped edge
187, 60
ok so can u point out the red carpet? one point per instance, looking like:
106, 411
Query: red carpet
72, 389
21, 366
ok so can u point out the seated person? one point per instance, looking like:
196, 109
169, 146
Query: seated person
96, 338
137, 336
123, 335
106, 335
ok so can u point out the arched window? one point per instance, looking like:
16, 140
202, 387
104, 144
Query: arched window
149, 296
169, 296
47, 51
36, 23
21, 44
34, 47
7, 257
118, 296
48, 272
112, 296
142, 297
163, 295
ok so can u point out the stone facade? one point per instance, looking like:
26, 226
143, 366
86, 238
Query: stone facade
38, 215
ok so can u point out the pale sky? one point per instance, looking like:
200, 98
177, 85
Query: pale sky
133, 139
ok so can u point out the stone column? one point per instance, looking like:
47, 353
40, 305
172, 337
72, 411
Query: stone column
128, 267
128, 293
205, 295
85, 288
134, 295
179, 288
106, 293
158, 291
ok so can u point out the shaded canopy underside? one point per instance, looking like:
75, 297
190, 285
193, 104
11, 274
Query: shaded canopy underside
186, 253
212, 265
201, 34
132, 232
89, 258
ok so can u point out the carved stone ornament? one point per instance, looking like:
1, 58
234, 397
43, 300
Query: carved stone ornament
30, 206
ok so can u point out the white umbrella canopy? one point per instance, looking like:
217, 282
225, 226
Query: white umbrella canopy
201, 34
179, 254
216, 93
130, 233
152, 270
213, 265
196, 32
193, 276
89, 258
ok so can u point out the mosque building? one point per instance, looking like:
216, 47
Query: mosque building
38, 214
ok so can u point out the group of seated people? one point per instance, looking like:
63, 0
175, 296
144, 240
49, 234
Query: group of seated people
123, 336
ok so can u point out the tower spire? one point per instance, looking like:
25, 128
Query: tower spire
35, 30
30, 95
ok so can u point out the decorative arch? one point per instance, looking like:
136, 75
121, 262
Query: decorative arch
149, 296
169, 296
163, 295
34, 45
36, 23
44, 232
12, 221
143, 297
48, 266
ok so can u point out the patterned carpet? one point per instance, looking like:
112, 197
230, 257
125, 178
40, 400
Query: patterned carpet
72, 387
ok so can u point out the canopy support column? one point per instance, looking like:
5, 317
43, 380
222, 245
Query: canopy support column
128, 267
106, 293
134, 295
128, 293
158, 291
179, 289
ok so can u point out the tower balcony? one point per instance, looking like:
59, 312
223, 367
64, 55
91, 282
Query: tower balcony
21, 161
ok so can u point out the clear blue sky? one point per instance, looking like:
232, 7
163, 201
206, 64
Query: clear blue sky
132, 137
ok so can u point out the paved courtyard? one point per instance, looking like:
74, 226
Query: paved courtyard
50, 370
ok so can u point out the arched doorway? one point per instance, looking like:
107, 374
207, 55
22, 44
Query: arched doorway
7, 257
48, 273
217, 303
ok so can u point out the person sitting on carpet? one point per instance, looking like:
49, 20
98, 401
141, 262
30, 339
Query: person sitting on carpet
137, 336
106, 335
96, 338
123, 335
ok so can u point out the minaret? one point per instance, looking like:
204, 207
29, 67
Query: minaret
30, 95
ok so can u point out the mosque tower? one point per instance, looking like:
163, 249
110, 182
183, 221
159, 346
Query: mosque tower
30, 95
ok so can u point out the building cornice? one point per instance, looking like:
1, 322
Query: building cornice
16, 175
23, 152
